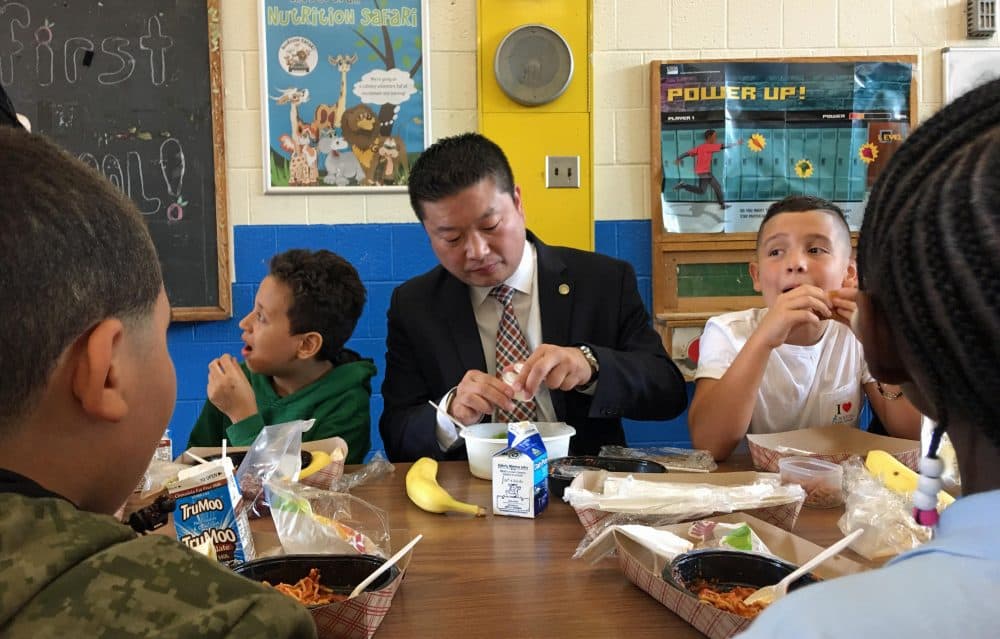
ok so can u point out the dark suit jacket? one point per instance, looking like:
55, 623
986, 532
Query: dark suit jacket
433, 340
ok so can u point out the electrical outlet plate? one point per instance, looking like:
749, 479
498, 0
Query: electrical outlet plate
562, 171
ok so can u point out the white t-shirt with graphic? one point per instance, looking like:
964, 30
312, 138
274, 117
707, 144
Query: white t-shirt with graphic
803, 386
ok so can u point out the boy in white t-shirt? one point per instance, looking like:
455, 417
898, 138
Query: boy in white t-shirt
787, 366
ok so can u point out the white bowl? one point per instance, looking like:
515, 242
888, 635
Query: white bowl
481, 443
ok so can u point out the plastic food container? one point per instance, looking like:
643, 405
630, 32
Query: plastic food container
563, 470
822, 480
482, 441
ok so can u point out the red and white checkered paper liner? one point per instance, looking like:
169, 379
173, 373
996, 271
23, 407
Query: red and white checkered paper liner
781, 515
326, 477
709, 620
356, 618
766, 459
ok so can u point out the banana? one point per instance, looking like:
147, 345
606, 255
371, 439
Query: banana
423, 490
897, 477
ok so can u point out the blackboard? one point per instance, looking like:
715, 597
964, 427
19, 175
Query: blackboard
134, 88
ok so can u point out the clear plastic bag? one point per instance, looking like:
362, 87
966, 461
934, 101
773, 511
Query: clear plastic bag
682, 459
275, 453
376, 467
885, 516
309, 521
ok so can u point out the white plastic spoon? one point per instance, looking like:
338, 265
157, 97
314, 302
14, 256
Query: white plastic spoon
381, 569
769, 594
458, 426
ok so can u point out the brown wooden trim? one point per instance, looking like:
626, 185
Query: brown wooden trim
224, 309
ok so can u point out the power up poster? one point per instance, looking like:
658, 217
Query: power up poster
737, 136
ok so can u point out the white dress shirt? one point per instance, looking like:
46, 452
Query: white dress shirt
488, 310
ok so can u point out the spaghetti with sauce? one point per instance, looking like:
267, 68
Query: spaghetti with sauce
308, 591
730, 600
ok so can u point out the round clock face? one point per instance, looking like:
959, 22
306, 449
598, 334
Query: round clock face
533, 64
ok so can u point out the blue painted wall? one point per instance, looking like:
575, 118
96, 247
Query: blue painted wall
385, 256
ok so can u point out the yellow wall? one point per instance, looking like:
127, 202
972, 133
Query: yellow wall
529, 134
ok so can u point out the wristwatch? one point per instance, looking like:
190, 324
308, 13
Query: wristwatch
595, 367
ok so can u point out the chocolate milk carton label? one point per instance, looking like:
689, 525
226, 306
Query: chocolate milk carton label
521, 473
207, 509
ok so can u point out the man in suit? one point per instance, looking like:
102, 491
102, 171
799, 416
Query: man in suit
572, 320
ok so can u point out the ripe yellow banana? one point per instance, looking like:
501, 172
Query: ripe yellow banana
897, 477
423, 490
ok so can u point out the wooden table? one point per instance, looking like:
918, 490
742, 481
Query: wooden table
514, 577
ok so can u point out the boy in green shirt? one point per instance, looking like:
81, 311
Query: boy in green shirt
295, 364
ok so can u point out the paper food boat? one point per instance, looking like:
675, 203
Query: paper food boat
835, 443
360, 617
780, 511
323, 477
356, 618
643, 568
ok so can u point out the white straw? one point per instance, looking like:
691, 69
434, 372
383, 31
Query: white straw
195, 457
223, 447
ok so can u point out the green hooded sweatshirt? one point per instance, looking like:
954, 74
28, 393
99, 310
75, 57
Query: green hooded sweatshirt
338, 401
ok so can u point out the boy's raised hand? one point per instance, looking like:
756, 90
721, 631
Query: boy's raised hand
844, 302
805, 304
229, 389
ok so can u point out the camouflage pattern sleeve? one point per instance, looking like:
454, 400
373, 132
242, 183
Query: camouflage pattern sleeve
64, 572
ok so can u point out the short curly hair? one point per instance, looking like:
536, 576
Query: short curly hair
327, 296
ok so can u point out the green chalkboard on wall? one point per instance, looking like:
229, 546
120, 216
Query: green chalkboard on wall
134, 88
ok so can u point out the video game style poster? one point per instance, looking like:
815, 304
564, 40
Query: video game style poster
345, 101
737, 136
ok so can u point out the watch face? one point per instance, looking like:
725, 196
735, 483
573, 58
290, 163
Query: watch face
533, 64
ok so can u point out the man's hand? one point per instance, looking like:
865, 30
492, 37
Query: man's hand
559, 367
478, 394
802, 305
229, 389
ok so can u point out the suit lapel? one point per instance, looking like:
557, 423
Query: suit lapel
555, 300
456, 313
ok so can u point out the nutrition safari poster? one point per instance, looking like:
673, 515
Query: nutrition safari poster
344, 88
737, 136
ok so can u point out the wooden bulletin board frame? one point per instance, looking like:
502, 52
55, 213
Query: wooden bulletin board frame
673, 249
224, 308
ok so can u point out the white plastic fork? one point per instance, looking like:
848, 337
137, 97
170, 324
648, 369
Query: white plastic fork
770, 594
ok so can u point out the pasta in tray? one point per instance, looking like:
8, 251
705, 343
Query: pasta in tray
730, 600
308, 591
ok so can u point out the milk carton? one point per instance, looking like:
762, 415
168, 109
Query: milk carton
521, 473
208, 510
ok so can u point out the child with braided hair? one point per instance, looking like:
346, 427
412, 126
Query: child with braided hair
928, 314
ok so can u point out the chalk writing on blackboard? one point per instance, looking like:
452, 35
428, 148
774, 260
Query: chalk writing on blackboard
133, 89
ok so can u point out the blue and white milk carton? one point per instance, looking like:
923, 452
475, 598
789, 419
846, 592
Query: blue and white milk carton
208, 511
521, 473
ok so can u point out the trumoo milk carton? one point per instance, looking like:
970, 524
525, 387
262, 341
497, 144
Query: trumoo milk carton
208, 510
521, 473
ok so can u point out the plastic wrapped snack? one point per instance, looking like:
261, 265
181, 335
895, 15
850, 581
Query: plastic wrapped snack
309, 520
885, 515
713, 534
682, 459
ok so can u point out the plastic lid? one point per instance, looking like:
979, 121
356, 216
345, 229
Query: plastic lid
808, 465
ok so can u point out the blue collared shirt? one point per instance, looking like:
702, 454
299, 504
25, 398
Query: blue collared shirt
948, 587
